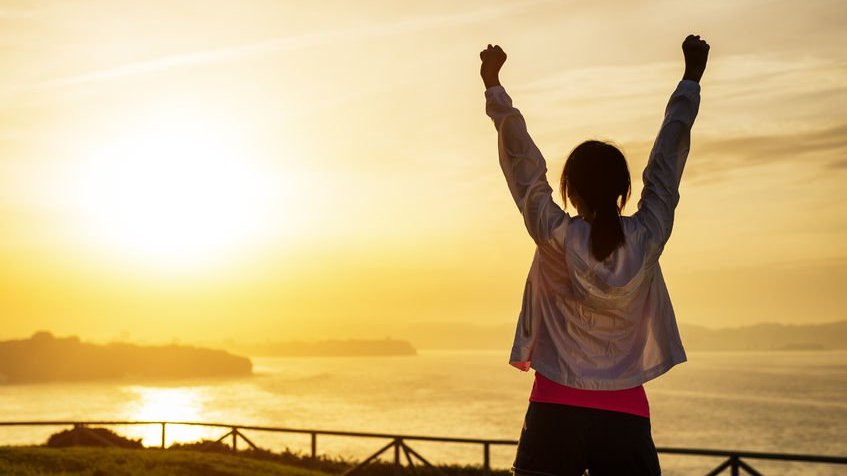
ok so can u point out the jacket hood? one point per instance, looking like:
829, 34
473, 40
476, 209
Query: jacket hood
611, 280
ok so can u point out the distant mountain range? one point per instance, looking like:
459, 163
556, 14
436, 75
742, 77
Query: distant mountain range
44, 357
766, 336
331, 348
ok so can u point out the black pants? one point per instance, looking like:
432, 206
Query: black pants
565, 440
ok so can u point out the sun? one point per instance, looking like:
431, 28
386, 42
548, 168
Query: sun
174, 190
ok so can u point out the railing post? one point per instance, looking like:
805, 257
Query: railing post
163, 434
397, 443
486, 459
733, 465
314, 446
234, 439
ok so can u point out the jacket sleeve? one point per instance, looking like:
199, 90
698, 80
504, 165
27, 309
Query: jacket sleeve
663, 173
525, 170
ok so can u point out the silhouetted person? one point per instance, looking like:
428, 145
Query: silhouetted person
596, 321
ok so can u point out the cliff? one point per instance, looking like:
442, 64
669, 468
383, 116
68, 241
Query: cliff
44, 357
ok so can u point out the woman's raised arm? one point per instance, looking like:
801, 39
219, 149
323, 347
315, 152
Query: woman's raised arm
522, 163
663, 173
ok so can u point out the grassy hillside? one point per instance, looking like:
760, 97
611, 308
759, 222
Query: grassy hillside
80, 461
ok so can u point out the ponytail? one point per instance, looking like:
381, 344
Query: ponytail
606, 230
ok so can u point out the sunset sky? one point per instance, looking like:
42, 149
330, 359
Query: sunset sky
266, 169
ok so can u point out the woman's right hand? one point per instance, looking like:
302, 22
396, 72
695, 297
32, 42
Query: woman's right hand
696, 52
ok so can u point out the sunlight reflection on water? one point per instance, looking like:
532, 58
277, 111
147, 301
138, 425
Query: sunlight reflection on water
165, 404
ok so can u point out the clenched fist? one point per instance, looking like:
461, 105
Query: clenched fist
696, 52
492, 58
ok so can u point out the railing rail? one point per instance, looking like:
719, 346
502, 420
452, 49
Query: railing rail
734, 459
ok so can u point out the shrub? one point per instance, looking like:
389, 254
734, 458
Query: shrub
83, 436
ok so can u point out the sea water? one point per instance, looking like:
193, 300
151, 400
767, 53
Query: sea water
790, 402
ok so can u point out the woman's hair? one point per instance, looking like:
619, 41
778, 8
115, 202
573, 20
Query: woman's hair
597, 173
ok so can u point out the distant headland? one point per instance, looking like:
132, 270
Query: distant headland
332, 348
45, 358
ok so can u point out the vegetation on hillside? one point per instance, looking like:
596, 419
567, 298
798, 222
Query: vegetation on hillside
88, 461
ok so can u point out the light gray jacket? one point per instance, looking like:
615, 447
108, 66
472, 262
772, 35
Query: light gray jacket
587, 324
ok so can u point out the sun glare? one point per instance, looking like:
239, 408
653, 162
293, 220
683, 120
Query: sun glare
174, 190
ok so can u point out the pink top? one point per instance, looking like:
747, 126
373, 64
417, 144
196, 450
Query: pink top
630, 400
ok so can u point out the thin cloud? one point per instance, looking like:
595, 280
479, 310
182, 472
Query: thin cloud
839, 164
826, 146
16, 14
715, 156
284, 44
822, 148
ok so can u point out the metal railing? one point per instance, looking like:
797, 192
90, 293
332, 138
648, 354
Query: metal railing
734, 461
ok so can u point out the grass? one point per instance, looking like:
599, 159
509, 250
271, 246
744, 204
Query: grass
86, 461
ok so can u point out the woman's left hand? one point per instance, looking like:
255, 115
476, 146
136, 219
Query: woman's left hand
492, 58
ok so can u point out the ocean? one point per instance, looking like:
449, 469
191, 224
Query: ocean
791, 401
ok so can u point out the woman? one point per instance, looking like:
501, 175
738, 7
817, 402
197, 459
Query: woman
596, 320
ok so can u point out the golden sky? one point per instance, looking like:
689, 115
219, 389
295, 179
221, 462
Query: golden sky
245, 170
